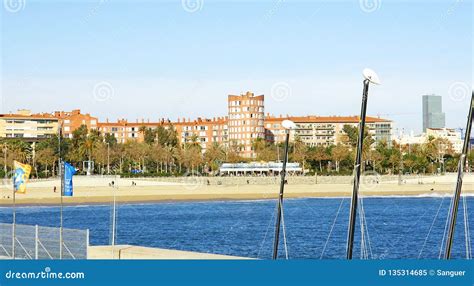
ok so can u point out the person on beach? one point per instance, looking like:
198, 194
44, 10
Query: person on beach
54, 189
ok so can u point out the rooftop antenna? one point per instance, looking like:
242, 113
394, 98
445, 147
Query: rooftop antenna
369, 77
288, 125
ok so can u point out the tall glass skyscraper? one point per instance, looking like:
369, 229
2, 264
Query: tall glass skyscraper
433, 115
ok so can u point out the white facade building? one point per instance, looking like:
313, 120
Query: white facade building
450, 134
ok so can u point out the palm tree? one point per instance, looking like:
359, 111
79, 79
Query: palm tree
84, 142
18, 151
88, 145
232, 152
264, 150
214, 156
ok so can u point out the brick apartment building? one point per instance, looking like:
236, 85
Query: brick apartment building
124, 130
70, 121
206, 131
245, 122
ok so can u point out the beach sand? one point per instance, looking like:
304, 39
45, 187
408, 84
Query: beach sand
97, 191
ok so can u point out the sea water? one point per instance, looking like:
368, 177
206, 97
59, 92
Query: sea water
397, 227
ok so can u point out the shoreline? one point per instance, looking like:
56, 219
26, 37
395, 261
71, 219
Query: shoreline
143, 202
182, 193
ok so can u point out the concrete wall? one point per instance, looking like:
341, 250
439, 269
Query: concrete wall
296, 180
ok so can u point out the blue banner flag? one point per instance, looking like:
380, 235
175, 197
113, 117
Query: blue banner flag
69, 171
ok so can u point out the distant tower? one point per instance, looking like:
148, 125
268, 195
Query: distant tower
433, 115
246, 115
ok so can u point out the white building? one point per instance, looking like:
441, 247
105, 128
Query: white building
451, 135
258, 168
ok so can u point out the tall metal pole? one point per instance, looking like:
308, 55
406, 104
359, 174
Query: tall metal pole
457, 193
5, 149
14, 219
113, 218
61, 242
61, 176
400, 180
108, 158
114, 213
280, 198
357, 168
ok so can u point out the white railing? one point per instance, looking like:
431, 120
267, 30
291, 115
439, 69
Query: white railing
42, 242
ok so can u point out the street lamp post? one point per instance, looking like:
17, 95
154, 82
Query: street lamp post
108, 158
5, 150
369, 77
457, 192
288, 125
400, 171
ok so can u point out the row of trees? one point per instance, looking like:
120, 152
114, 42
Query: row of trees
435, 155
161, 154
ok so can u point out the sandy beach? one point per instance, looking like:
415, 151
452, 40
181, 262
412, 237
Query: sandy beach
96, 190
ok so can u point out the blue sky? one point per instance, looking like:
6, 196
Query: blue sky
160, 60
